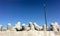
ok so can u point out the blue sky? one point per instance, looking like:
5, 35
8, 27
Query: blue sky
28, 11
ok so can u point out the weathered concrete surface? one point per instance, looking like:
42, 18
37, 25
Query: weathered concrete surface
27, 33
57, 33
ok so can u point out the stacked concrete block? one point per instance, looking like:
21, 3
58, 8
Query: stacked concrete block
44, 27
31, 26
55, 26
29, 30
1, 27
24, 27
17, 26
59, 28
9, 27
37, 27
